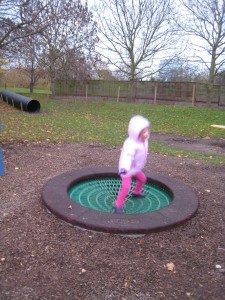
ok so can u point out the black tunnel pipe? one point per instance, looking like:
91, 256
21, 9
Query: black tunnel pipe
19, 101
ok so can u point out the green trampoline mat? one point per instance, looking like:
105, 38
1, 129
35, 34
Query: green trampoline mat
100, 194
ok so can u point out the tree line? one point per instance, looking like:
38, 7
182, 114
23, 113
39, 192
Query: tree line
118, 39
54, 39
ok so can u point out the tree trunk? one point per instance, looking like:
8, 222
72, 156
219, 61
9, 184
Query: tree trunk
209, 94
32, 81
31, 87
132, 91
211, 79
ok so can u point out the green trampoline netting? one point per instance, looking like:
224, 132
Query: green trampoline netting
100, 194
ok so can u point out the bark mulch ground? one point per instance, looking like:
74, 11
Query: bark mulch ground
42, 257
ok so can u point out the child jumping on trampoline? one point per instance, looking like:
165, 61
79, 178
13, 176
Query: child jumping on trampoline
132, 160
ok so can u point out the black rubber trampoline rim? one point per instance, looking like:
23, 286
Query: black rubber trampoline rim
56, 199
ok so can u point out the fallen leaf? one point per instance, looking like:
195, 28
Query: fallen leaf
188, 294
218, 266
170, 266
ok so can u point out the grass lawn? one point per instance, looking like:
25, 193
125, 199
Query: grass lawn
25, 90
106, 123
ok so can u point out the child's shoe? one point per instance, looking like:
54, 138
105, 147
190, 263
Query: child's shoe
118, 210
141, 195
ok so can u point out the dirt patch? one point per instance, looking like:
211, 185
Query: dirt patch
42, 257
205, 145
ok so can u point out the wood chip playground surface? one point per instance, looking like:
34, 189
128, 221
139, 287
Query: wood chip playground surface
43, 257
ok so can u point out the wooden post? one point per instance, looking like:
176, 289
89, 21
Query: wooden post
86, 92
155, 94
21, 106
193, 94
118, 94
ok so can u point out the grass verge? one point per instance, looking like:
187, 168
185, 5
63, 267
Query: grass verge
106, 123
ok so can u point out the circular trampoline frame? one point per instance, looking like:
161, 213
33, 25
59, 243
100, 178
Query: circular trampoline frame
56, 199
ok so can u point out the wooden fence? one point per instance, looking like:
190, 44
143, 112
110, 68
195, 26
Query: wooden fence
181, 93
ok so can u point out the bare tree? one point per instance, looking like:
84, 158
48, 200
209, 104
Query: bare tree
64, 49
18, 19
69, 40
29, 58
205, 20
133, 34
22, 22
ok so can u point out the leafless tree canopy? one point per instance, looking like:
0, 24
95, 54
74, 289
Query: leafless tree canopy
135, 32
205, 19
69, 40
54, 37
19, 19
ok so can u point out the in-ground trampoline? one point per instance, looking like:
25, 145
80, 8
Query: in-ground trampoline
85, 198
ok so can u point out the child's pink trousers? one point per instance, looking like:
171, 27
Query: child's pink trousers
126, 185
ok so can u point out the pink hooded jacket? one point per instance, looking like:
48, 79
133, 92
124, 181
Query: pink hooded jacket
134, 152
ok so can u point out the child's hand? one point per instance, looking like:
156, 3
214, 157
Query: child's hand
122, 172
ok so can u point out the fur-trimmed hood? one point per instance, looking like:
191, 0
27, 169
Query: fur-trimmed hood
136, 125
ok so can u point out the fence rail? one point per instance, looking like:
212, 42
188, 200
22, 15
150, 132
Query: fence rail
182, 93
